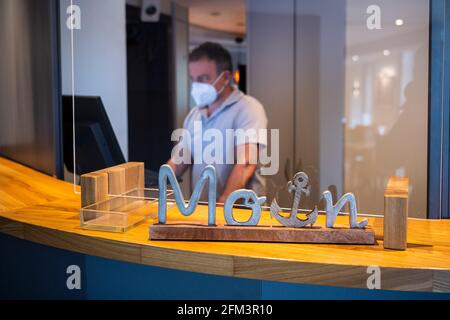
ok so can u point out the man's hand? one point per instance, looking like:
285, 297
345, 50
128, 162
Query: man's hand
178, 169
243, 170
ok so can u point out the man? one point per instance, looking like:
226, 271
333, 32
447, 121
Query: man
221, 106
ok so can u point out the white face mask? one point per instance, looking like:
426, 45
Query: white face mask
205, 94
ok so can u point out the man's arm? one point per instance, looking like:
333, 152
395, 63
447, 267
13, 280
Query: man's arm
243, 170
178, 169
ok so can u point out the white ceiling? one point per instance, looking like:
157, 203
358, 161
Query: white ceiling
230, 16
222, 15
415, 14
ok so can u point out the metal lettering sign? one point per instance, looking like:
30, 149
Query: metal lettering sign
251, 201
333, 210
166, 173
298, 186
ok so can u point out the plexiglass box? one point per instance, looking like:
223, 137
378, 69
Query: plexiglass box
120, 213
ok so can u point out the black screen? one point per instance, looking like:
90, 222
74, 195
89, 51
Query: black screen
96, 144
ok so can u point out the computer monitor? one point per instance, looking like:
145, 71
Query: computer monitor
96, 144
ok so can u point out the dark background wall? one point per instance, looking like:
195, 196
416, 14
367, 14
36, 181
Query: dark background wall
29, 84
150, 107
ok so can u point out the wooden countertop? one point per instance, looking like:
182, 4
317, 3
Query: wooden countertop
41, 209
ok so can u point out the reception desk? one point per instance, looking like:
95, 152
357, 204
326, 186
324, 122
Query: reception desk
44, 210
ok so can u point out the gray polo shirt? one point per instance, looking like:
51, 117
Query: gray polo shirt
239, 111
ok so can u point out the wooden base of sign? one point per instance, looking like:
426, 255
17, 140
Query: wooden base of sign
187, 232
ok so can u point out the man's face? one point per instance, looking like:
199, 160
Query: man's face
205, 71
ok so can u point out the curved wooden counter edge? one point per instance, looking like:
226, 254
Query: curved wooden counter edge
55, 223
272, 269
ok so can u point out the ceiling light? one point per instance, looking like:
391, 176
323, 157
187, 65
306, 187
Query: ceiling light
399, 22
387, 52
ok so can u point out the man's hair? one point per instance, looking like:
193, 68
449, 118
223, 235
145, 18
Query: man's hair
215, 52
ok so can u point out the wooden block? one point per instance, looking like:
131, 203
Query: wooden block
396, 213
116, 180
186, 232
94, 188
134, 175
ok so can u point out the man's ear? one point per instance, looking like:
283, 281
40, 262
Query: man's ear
227, 76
